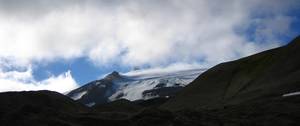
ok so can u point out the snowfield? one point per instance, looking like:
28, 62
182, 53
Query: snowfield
78, 95
138, 82
135, 85
291, 94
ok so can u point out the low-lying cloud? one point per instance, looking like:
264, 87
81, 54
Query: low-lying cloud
24, 81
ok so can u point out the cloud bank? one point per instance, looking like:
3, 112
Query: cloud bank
140, 32
24, 81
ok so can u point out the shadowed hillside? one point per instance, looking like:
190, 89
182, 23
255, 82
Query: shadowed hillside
269, 74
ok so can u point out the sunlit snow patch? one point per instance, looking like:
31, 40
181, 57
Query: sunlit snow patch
291, 94
78, 95
90, 104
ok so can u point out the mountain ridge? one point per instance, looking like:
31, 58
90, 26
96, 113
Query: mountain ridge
136, 85
243, 80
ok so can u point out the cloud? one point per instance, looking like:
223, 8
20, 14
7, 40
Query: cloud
166, 70
24, 81
270, 28
138, 32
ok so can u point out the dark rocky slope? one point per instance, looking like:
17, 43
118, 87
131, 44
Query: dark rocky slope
97, 91
262, 76
36, 107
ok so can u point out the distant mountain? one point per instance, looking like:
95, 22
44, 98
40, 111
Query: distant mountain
136, 85
267, 75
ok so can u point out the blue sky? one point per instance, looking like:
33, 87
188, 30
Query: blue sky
82, 69
60, 45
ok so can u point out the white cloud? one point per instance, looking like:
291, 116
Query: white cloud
139, 32
24, 81
163, 70
270, 28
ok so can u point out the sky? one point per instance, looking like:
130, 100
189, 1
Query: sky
60, 45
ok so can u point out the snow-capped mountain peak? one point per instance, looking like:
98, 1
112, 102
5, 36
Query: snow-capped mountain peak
113, 76
134, 85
